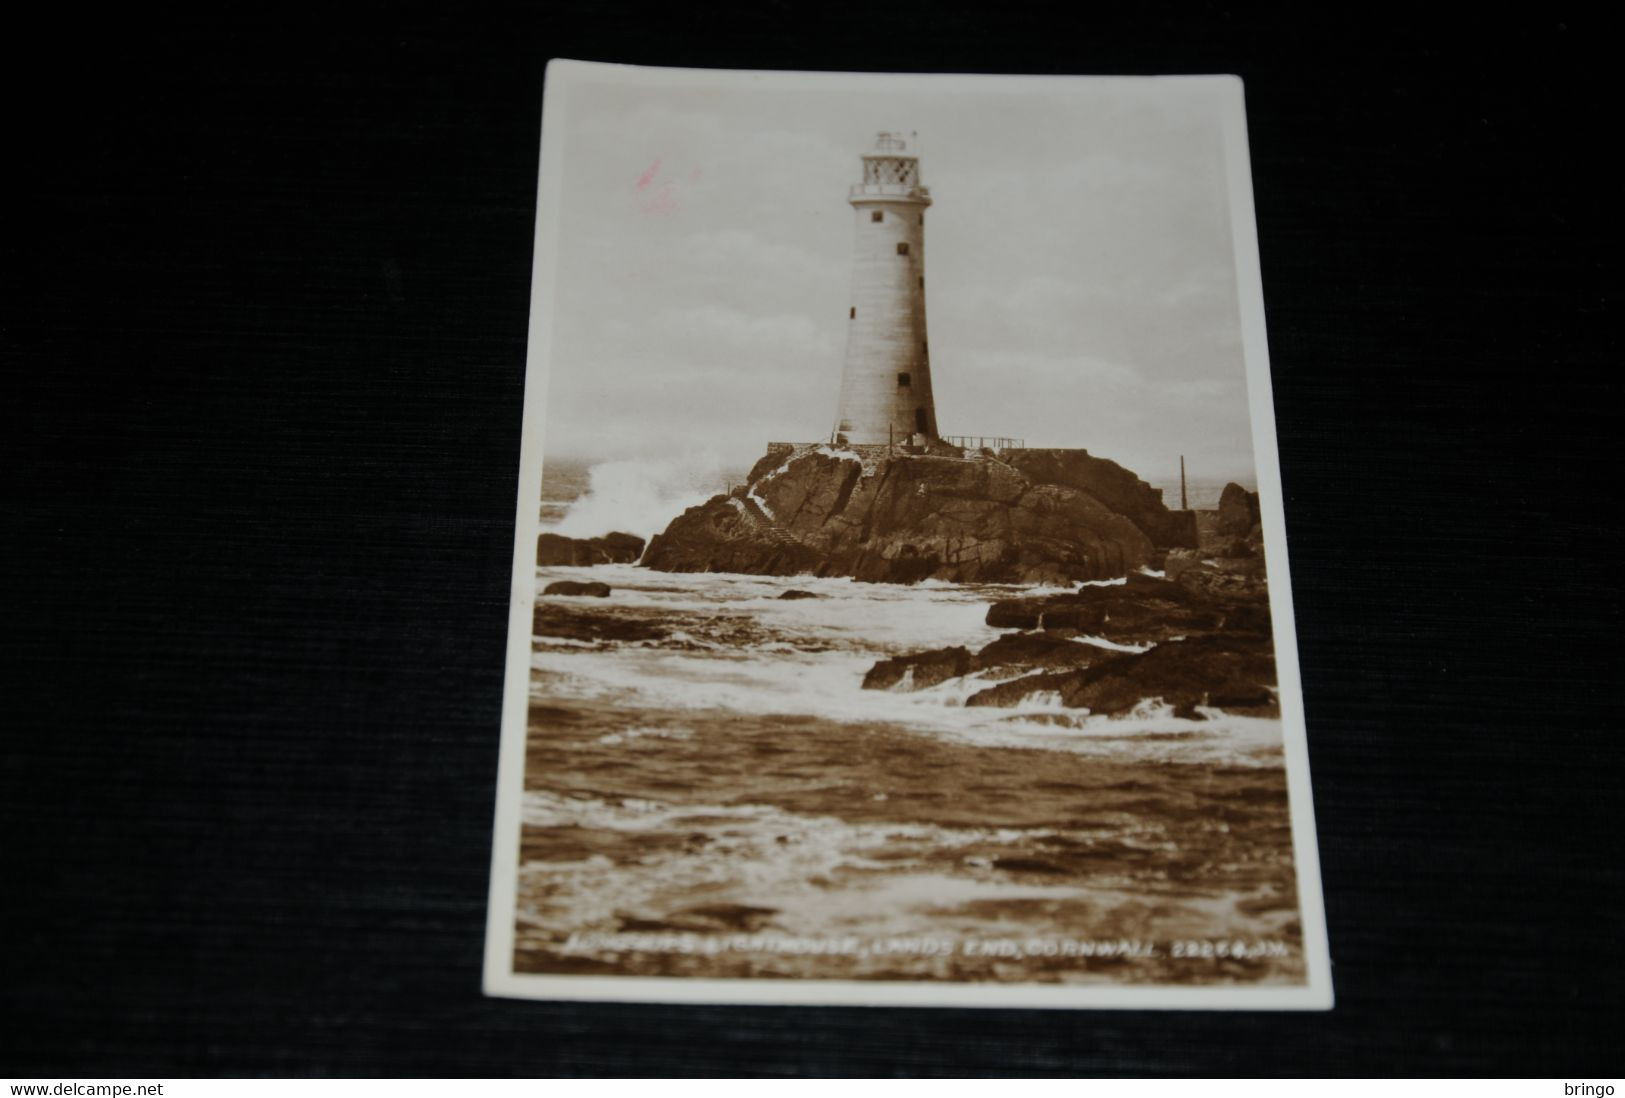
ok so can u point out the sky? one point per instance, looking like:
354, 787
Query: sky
1079, 268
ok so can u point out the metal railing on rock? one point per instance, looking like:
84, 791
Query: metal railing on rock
985, 442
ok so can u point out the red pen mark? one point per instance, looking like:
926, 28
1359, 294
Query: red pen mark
656, 198
663, 200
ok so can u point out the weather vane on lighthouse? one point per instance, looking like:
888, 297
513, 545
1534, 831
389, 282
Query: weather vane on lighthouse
886, 381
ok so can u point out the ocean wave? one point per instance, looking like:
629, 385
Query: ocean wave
734, 646
765, 855
637, 496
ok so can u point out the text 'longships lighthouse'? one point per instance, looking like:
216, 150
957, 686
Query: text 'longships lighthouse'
886, 383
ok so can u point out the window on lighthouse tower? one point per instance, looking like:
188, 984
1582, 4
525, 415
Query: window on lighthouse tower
902, 247
876, 215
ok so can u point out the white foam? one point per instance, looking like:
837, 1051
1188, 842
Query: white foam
762, 854
838, 453
808, 657
640, 732
1113, 646
638, 496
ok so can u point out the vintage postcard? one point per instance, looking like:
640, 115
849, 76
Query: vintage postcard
900, 605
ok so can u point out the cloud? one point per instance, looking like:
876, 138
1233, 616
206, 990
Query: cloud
733, 333
727, 256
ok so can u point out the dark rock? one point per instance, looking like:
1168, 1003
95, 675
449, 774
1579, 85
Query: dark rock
1226, 577
1052, 612
1238, 510
1028, 865
1218, 578
1251, 617
1113, 486
906, 518
572, 587
793, 594
1179, 561
1224, 671
929, 668
1015, 613
615, 548
591, 621
724, 535
1209, 633
1141, 609
1014, 691
777, 454
1028, 651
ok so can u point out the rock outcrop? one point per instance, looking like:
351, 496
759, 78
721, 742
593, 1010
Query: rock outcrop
920, 670
616, 548
1238, 510
1037, 516
576, 620
1108, 648
1233, 529
576, 589
1114, 486
1143, 610
1234, 671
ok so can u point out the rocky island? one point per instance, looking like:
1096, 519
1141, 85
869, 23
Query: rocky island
934, 511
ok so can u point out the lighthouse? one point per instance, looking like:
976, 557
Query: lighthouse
886, 382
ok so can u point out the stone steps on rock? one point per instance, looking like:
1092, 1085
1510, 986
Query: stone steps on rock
768, 527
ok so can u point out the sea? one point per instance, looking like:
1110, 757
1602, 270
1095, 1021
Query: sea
710, 792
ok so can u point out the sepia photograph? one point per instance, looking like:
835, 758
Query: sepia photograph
900, 608
921, 542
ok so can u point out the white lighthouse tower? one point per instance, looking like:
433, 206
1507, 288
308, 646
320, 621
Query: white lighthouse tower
886, 383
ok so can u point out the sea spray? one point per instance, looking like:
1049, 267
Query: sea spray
639, 495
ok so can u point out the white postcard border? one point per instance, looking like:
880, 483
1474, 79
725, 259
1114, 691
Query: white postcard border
501, 980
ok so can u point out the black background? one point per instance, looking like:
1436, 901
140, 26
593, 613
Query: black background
265, 309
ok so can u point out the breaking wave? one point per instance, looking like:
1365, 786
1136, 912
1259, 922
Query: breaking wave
728, 644
639, 496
